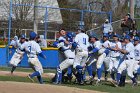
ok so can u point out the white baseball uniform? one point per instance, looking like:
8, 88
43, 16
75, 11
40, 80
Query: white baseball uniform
69, 56
137, 57
103, 57
82, 40
33, 49
61, 55
114, 56
97, 45
18, 55
129, 61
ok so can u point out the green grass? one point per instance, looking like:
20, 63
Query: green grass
104, 87
107, 87
26, 69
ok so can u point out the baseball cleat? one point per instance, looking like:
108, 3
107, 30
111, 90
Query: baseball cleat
56, 83
134, 84
97, 82
114, 83
90, 81
106, 79
30, 78
81, 83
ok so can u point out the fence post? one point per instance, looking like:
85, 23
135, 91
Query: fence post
110, 16
9, 30
46, 23
81, 24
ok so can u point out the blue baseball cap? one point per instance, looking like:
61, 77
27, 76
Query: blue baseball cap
70, 34
105, 35
127, 37
93, 36
32, 35
136, 38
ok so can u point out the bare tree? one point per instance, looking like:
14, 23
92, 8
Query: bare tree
21, 16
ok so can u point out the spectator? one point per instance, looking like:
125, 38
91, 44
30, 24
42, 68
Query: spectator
127, 23
134, 25
107, 27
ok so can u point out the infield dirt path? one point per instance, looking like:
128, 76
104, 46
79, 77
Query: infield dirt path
21, 87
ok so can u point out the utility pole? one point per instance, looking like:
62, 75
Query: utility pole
36, 15
132, 8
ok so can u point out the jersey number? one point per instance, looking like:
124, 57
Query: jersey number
136, 52
84, 41
29, 48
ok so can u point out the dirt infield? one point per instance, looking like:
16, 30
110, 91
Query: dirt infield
21, 87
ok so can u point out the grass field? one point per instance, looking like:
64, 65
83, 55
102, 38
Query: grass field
104, 87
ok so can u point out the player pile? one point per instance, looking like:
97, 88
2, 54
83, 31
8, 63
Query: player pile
79, 53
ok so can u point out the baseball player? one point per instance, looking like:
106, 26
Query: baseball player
95, 46
67, 49
33, 51
82, 41
59, 43
137, 55
14, 42
18, 55
62, 38
128, 62
103, 52
114, 56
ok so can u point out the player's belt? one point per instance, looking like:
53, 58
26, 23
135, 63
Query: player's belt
66, 49
70, 58
128, 58
115, 57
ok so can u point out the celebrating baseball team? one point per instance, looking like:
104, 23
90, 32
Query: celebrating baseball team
82, 55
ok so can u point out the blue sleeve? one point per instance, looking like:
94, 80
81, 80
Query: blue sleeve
106, 51
110, 49
95, 50
55, 44
74, 45
90, 48
42, 55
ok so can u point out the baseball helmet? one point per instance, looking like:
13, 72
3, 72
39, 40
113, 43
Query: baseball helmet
32, 35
